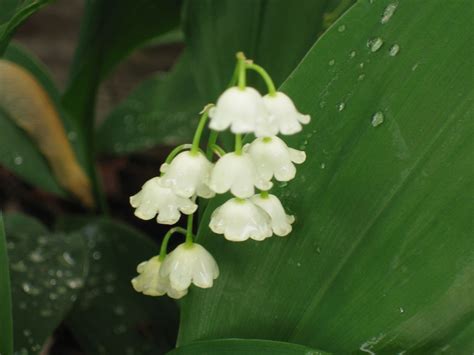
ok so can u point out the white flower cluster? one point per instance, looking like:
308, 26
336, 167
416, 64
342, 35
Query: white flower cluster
189, 174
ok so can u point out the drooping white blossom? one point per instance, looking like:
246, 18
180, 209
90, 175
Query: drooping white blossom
188, 174
154, 199
239, 109
189, 264
237, 173
283, 117
280, 221
151, 283
272, 157
239, 220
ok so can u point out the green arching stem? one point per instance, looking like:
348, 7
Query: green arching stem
199, 129
235, 76
164, 243
218, 150
238, 144
189, 231
265, 76
241, 70
210, 143
176, 151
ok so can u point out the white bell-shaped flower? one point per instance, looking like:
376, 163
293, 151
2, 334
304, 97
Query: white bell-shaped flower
151, 283
237, 173
283, 118
281, 222
239, 220
272, 157
188, 174
189, 264
155, 199
240, 109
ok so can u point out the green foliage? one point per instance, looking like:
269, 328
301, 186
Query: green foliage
12, 14
380, 259
162, 110
47, 273
111, 29
382, 246
110, 317
244, 346
6, 324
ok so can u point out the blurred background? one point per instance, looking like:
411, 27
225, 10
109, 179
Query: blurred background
52, 34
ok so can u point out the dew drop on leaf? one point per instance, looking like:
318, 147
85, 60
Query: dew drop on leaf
18, 160
377, 119
75, 283
375, 44
341, 28
388, 13
394, 50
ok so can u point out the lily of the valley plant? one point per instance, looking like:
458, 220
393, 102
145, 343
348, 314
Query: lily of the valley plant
189, 174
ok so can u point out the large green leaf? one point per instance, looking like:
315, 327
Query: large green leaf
381, 255
273, 33
47, 272
244, 346
110, 317
6, 324
12, 14
163, 109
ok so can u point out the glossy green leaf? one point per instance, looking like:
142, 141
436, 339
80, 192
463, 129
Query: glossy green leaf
381, 255
110, 317
244, 346
112, 29
162, 110
12, 14
47, 273
6, 323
